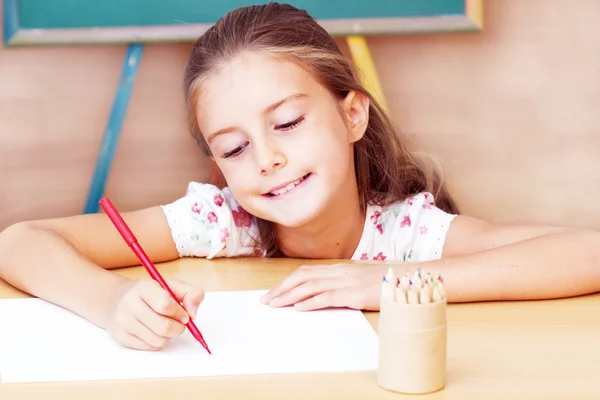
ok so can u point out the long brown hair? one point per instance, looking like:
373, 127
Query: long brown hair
386, 170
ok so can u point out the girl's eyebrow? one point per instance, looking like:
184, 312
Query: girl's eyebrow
274, 106
223, 131
267, 110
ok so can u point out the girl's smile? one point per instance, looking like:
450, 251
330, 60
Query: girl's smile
281, 191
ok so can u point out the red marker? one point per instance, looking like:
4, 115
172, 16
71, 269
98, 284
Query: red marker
132, 242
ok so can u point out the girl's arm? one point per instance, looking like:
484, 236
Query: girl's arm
482, 261
65, 260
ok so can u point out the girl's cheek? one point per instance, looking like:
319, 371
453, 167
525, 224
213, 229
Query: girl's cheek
235, 173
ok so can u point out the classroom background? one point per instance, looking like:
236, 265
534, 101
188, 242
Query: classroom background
510, 112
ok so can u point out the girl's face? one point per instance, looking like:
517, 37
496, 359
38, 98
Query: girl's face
280, 139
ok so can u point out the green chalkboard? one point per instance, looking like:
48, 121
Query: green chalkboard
39, 22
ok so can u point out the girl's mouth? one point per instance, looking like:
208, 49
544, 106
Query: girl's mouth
281, 190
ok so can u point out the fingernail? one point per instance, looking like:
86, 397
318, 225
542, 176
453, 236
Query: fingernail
193, 311
274, 302
185, 319
265, 298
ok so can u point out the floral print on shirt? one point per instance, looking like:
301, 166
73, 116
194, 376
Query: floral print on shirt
412, 230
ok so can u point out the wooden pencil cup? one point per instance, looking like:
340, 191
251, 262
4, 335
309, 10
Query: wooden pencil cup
412, 347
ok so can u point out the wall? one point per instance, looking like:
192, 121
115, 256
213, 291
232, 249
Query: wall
54, 104
510, 113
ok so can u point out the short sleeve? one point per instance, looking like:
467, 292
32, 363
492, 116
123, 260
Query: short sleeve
420, 228
208, 222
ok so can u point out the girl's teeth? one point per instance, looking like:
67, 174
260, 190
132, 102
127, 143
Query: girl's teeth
286, 189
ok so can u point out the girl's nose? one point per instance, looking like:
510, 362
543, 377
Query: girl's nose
269, 156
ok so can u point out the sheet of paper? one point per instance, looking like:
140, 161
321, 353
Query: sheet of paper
40, 342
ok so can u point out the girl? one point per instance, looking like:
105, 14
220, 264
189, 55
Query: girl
314, 169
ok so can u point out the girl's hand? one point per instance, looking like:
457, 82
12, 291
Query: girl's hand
144, 315
355, 286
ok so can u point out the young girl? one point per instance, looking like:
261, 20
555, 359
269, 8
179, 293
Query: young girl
314, 169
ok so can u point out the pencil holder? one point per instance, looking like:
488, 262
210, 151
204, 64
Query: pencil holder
412, 346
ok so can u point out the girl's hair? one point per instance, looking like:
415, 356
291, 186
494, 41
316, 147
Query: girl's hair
386, 171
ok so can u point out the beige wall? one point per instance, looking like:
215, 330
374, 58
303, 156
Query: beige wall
511, 113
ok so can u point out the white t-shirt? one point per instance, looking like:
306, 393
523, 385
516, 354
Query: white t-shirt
208, 222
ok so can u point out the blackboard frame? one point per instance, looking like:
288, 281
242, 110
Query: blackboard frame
15, 35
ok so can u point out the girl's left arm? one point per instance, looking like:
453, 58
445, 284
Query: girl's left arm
485, 261
481, 262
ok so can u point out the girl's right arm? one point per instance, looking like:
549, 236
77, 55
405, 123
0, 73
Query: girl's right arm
66, 261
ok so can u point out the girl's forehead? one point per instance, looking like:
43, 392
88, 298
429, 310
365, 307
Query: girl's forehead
253, 74
250, 82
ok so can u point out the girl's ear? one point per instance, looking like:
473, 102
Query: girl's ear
356, 111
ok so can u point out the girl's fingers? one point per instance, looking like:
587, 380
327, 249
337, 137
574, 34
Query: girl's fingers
191, 296
309, 289
301, 276
162, 303
296, 278
159, 324
334, 298
145, 334
134, 342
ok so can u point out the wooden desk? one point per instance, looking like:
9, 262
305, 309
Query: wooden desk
542, 350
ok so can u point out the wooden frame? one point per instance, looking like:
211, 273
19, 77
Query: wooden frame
16, 35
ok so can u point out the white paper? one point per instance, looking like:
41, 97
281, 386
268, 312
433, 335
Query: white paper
40, 342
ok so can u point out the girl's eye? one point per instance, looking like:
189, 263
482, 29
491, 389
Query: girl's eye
290, 125
236, 152
283, 127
